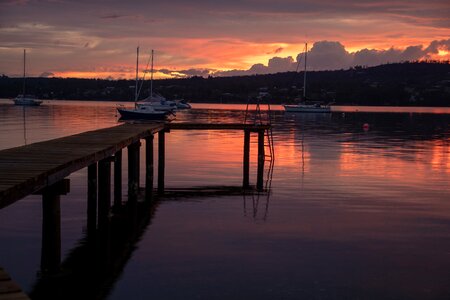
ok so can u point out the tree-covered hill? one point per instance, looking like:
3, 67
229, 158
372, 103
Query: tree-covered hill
411, 83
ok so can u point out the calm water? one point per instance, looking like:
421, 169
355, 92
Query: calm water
351, 214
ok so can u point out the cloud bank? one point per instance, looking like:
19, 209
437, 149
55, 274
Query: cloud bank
327, 55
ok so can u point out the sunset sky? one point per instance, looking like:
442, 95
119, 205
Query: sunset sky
89, 39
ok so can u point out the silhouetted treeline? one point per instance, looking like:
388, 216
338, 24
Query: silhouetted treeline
411, 83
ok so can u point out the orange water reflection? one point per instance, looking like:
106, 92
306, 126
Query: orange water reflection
355, 161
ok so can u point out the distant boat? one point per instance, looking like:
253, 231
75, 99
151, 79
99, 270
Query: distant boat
182, 104
27, 100
142, 112
307, 106
23, 99
159, 102
304, 107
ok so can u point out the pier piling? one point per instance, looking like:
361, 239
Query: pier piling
246, 173
104, 191
92, 199
118, 178
133, 170
149, 167
161, 160
51, 226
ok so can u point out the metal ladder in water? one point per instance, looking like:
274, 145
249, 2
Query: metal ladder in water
260, 118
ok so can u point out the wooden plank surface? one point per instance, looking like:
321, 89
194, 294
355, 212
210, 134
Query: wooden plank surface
9, 290
26, 169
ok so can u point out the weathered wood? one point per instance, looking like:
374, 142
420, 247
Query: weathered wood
9, 290
3, 275
149, 166
104, 191
246, 171
14, 296
261, 157
51, 229
133, 169
27, 169
118, 178
59, 188
92, 199
161, 160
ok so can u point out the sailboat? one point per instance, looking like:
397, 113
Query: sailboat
310, 106
141, 112
24, 99
155, 100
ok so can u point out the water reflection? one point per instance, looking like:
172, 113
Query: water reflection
352, 213
90, 270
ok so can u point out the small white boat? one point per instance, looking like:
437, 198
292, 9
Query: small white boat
182, 104
155, 100
313, 108
23, 99
159, 105
27, 100
142, 113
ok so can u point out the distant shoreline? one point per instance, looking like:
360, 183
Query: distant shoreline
274, 107
416, 84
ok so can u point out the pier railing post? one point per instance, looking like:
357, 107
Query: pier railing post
92, 199
118, 178
261, 157
133, 170
246, 169
161, 161
149, 167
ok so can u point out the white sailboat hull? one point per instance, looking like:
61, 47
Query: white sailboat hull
304, 108
159, 106
142, 113
27, 101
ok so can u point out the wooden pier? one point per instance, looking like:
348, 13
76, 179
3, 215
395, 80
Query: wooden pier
42, 168
9, 290
28, 169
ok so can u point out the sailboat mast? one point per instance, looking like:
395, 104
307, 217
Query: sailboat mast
151, 78
304, 72
24, 57
137, 75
